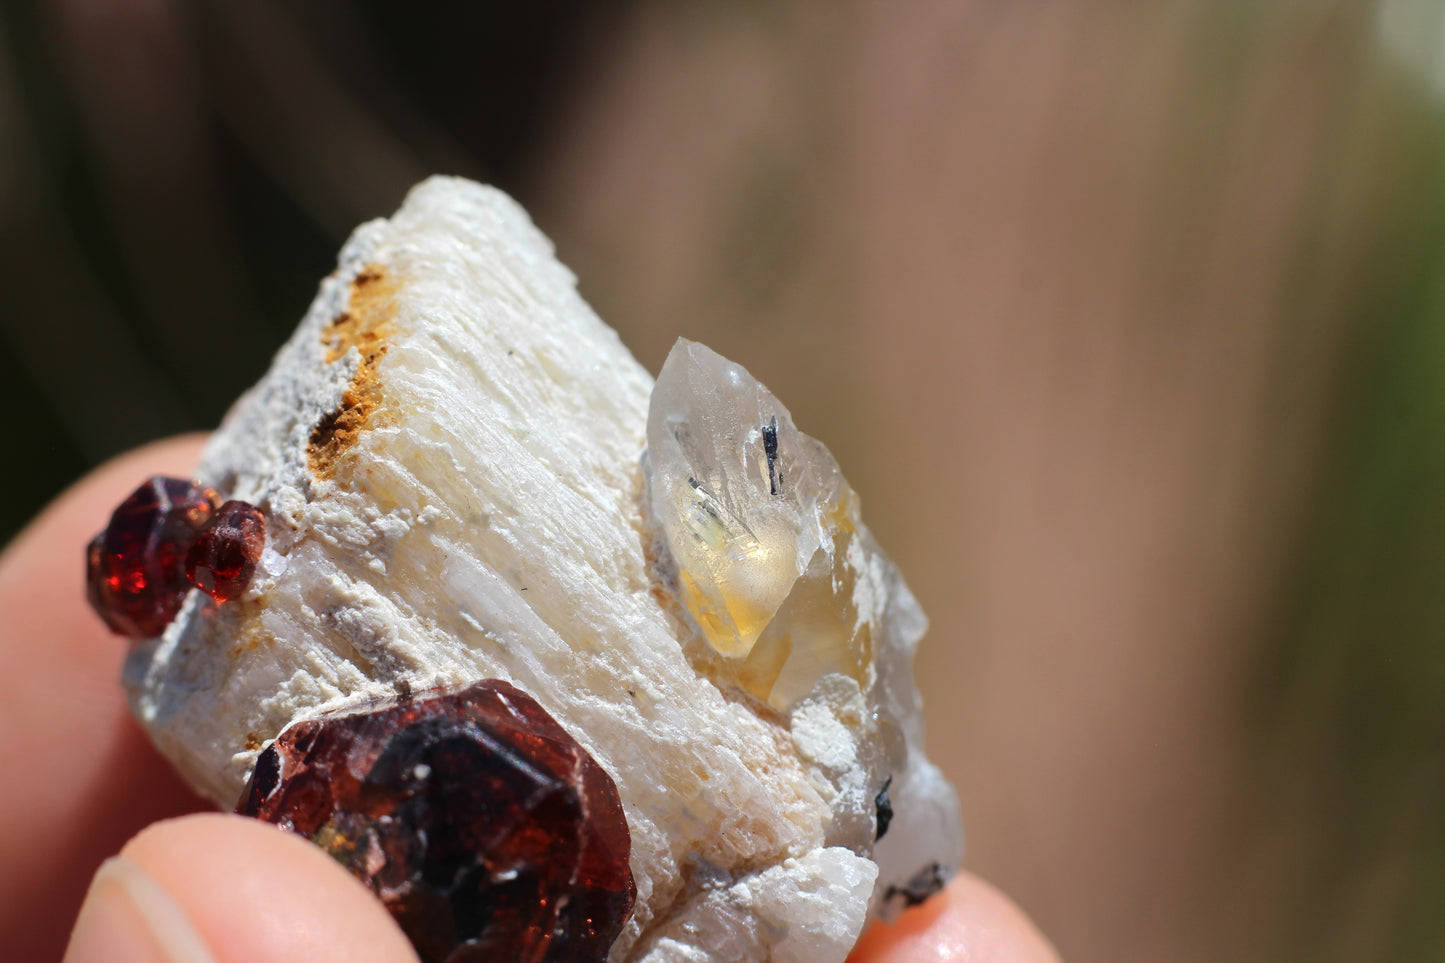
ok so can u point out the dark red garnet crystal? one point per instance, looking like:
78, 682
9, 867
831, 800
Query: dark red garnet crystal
223, 557
485, 828
136, 568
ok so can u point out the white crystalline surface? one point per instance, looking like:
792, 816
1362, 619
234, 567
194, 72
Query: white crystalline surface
449, 454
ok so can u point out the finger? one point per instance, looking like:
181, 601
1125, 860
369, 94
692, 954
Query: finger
83, 778
969, 922
227, 889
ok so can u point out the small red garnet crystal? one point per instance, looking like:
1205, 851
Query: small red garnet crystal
223, 557
487, 830
136, 568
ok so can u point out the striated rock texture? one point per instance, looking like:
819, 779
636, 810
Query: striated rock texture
449, 455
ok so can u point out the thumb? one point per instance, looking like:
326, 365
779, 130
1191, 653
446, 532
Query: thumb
969, 922
215, 888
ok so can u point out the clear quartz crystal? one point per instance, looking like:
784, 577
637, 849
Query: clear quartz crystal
799, 607
772, 560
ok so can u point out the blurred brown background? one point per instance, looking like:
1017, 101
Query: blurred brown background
1126, 319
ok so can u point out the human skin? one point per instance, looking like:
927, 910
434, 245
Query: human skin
189, 885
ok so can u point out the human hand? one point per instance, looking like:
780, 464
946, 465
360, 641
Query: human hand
208, 886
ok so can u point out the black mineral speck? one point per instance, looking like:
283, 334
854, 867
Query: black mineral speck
884, 807
770, 449
267, 774
921, 885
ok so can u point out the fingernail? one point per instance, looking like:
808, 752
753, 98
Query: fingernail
128, 918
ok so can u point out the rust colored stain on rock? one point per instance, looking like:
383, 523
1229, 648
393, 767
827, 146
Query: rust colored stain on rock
365, 325
483, 826
338, 430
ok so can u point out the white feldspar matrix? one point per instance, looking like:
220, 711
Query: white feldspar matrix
449, 454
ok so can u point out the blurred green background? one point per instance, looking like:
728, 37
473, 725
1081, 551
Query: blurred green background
1127, 320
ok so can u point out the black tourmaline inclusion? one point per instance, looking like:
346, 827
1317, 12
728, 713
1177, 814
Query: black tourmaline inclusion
485, 828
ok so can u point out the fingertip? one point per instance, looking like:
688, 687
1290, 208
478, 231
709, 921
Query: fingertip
969, 921
92, 778
234, 890
128, 918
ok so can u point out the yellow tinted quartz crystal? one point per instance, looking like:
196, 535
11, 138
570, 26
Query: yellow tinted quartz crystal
772, 560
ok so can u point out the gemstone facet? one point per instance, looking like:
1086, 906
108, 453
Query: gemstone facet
224, 555
483, 826
136, 568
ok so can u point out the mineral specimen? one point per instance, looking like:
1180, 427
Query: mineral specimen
481, 824
449, 456
136, 568
223, 557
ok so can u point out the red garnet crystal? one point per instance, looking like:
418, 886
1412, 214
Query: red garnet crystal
136, 568
224, 555
487, 831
